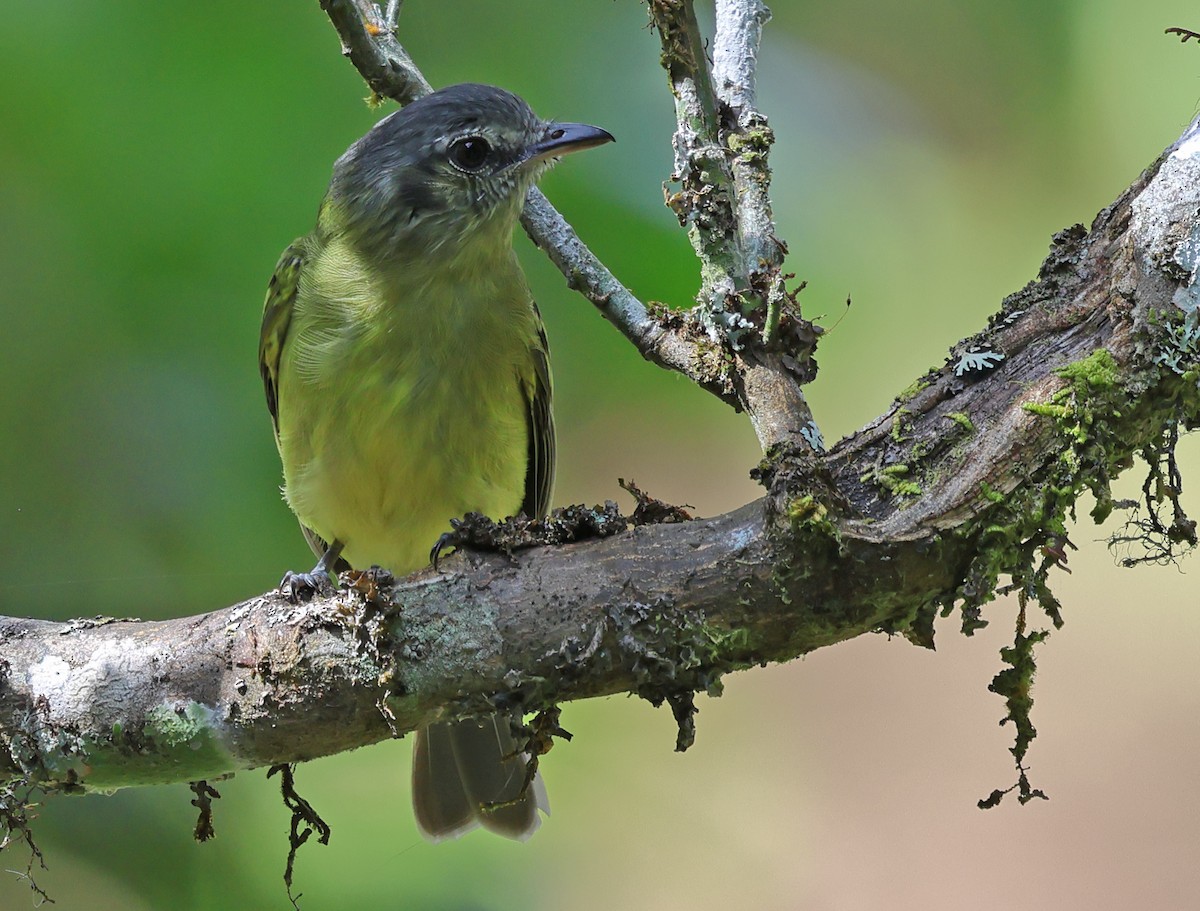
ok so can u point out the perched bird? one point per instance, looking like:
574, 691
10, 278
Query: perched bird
408, 378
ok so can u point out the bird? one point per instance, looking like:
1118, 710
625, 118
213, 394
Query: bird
407, 374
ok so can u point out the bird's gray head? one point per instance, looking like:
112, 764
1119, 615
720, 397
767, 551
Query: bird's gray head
448, 169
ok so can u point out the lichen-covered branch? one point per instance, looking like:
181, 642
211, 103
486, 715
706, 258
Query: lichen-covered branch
1058, 345
104, 704
705, 202
721, 145
739, 25
971, 476
368, 40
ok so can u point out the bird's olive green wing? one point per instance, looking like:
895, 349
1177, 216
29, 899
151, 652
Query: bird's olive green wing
277, 317
539, 476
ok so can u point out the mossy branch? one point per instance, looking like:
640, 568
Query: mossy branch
1092, 364
721, 145
1100, 365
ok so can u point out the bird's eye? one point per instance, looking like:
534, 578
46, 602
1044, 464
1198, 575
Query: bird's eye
469, 154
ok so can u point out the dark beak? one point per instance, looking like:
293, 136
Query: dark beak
561, 138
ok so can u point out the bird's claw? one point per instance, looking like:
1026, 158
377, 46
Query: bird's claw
449, 539
300, 587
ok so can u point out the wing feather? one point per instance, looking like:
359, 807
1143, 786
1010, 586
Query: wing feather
539, 476
277, 318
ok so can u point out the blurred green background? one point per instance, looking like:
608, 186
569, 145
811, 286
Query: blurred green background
155, 159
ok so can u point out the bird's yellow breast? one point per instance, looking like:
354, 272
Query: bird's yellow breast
401, 403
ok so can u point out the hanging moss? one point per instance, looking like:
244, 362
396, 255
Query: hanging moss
1104, 418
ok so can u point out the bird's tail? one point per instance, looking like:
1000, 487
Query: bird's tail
473, 773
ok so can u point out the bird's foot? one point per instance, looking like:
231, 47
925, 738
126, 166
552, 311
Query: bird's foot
300, 587
297, 587
447, 541
477, 532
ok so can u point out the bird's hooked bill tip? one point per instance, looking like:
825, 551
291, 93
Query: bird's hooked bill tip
561, 138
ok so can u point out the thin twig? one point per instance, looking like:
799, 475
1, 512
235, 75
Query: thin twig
739, 25
721, 144
664, 342
704, 203
374, 50
392, 16
1185, 34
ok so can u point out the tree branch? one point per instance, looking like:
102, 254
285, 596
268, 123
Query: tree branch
368, 40
1100, 362
970, 475
661, 611
735, 62
721, 146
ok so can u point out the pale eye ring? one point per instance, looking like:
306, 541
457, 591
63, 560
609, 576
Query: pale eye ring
469, 153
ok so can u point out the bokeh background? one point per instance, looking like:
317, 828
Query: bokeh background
154, 160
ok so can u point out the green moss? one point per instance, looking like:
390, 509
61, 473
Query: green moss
1015, 684
1096, 371
891, 480
812, 530
962, 419
177, 740
807, 509
1102, 421
752, 145
1046, 410
173, 726
809, 531
898, 434
911, 391
989, 494
185, 735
